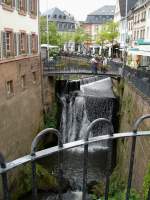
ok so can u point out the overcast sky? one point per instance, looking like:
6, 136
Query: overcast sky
78, 8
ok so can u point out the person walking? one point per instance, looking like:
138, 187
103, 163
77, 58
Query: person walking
94, 65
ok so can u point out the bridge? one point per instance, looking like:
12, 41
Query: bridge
34, 156
57, 72
75, 66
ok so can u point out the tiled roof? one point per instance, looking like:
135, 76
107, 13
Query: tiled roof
105, 10
102, 15
60, 15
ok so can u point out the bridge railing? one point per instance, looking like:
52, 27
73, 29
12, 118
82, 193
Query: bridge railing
34, 156
67, 64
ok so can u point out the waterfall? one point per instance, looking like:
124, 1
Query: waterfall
94, 100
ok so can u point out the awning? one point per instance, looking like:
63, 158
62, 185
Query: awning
140, 53
48, 46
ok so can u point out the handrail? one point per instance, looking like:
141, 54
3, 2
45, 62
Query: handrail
132, 154
34, 156
86, 138
49, 151
35, 142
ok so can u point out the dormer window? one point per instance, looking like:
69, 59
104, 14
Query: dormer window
55, 16
64, 17
60, 16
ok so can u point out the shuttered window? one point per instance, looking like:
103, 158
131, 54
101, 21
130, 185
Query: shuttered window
34, 43
23, 42
22, 6
8, 43
33, 7
9, 4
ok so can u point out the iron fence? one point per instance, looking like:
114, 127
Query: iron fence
34, 156
140, 79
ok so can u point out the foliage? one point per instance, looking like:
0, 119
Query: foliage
112, 31
80, 36
98, 189
146, 184
50, 118
117, 189
108, 33
53, 35
65, 38
23, 183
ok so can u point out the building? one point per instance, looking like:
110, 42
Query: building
120, 17
139, 50
65, 23
20, 82
93, 24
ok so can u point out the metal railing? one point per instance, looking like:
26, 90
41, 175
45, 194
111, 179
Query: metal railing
34, 156
140, 79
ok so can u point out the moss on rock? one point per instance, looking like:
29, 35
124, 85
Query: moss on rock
23, 183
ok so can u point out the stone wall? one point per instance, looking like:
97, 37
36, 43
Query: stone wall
134, 105
21, 110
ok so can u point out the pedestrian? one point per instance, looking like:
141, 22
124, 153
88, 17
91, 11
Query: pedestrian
94, 65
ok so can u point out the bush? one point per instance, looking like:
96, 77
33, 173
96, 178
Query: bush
146, 184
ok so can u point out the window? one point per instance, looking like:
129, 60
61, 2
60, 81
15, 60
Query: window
23, 81
33, 7
34, 77
23, 42
34, 43
8, 2
9, 43
22, 5
9, 88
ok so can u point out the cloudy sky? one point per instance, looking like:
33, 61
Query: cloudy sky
78, 8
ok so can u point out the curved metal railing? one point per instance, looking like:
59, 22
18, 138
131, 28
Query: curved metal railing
36, 155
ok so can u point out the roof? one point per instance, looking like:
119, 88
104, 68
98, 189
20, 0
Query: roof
57, 12
105, 10
53, 11
122, 4
100, 16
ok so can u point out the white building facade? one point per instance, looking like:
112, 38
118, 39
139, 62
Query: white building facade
19, 28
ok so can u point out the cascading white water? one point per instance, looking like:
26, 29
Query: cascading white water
95, 100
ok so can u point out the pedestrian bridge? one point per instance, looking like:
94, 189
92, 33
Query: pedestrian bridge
34, 156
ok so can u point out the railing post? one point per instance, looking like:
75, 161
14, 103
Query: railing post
6, 195
33, 154
85, 164
132, 154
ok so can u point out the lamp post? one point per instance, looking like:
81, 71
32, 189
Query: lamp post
125, 38
47, 25
47, 31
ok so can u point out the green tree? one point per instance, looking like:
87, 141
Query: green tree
102, 37
65, 38
53, 36
43, 30
112, 32
80, 36
108, 33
